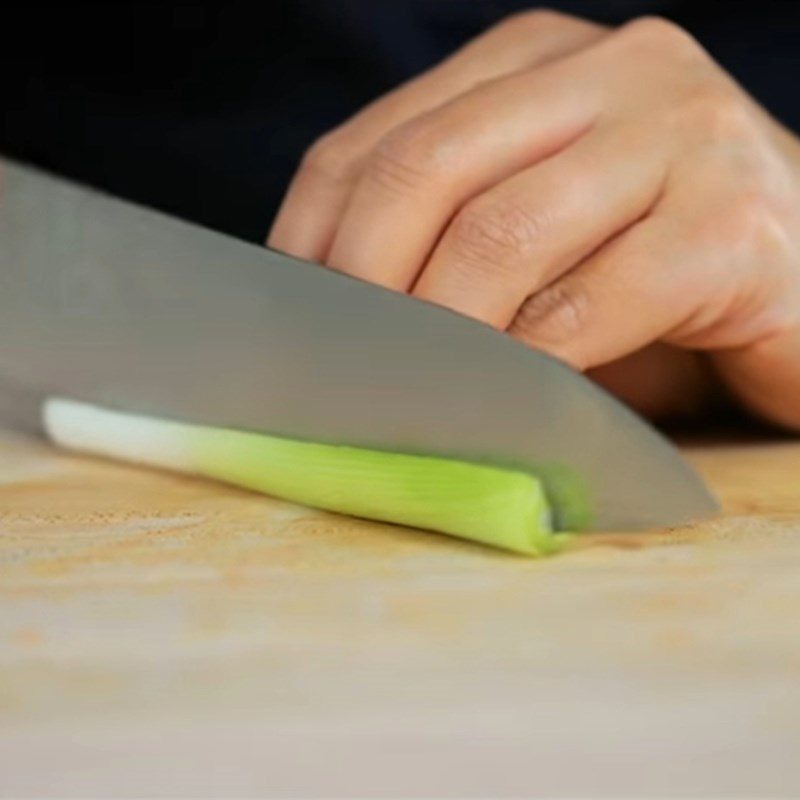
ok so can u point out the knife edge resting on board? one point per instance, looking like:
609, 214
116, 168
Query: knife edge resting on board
498, 507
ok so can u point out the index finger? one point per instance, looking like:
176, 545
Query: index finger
317, 196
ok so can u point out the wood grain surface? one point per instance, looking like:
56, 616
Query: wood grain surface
164, 635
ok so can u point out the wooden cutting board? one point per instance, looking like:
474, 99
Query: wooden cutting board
160, 634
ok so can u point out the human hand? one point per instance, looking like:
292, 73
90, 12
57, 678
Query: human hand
612, 197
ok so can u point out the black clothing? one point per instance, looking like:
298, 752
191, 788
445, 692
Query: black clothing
203, 109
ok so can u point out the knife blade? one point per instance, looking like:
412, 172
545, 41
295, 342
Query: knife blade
111, 303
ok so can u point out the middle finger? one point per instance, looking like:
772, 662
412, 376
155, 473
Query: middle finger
526, 232
421, 173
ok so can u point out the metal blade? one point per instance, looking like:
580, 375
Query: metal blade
111, 303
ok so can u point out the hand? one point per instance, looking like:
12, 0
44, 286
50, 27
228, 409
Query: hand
592, 192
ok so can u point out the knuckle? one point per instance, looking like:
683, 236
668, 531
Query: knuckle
533, 20
752, 224
537, 24
328, 158
411, 157
748, 229
503, 234
748, 211
718, 112
557, 314
658, 34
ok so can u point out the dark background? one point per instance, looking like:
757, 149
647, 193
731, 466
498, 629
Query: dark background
203, 109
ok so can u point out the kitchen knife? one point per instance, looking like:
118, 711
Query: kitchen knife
107, 302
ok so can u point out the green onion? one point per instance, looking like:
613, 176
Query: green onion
498, 507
